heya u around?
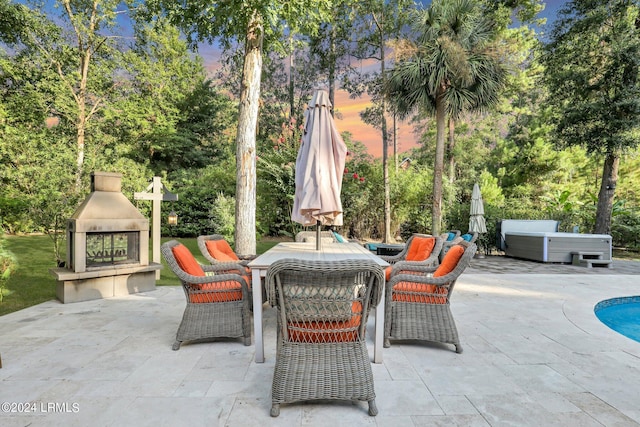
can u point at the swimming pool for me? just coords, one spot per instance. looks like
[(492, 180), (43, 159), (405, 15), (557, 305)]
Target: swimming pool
[(621, 314)]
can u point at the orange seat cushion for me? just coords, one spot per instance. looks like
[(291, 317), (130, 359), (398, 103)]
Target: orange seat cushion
[(419, 292), (421, 248), (186, 260), (220, 250), (229, 290), (450, 261), (318, 331)]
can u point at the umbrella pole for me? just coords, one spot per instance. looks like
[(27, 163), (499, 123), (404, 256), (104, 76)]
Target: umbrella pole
[(318, 235)]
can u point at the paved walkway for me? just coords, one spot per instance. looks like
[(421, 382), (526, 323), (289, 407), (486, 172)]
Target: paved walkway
[(499, 264), (534, 355)]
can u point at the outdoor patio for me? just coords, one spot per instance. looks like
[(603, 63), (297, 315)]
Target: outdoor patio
[(534, 355)]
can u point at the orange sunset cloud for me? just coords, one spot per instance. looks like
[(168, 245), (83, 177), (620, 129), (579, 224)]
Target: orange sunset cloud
[(349, 110)]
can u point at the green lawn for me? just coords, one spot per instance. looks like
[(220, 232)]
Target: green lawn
[(32, 283)]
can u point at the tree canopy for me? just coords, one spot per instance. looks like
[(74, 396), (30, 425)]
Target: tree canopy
[(451, 67), (593, 74), (225, 139)]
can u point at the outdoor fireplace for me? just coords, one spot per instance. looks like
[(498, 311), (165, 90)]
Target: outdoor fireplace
[(112, 248), (107, 246)]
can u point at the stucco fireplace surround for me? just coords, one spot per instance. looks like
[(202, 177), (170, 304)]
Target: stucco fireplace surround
[(107, 246)]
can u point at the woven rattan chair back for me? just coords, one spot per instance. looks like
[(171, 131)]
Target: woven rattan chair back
[(204, 250), (402, 256), (322, 310)]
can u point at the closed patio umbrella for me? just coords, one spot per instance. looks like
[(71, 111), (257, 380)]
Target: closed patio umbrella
[(476, 218), (319, 168)]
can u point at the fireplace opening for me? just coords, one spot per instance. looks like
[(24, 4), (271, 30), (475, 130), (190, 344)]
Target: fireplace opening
[(112, 248)]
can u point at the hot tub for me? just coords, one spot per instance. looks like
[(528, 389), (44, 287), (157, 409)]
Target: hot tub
[(555, 246)]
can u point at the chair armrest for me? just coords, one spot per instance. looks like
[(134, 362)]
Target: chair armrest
[(414, 278), (225, 268), (416, 266), (378, 289), (188, 279)]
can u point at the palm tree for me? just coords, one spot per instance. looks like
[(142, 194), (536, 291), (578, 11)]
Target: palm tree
[(452, 67)]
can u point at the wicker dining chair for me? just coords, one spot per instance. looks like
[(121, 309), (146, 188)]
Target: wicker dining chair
[(218, 305), (449, 239), (216, 249), (450, 235), (470, 237), (322, 310), (417, 303), (420, 250)]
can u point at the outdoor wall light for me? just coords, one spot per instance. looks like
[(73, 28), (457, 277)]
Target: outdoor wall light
[(172, 219)]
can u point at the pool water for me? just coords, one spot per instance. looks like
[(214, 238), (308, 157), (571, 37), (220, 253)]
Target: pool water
[(621, 314)]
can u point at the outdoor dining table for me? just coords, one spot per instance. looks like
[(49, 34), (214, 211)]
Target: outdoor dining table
[(308, 251)]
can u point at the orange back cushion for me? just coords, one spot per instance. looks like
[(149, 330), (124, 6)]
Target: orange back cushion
[(450, 261), (186, 261), (220, 250), (421, 248)]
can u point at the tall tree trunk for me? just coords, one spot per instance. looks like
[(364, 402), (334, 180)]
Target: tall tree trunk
[(80, 137), (438, 166), (385, 144), (332, 68), (607, 191), (395, 141), (85, 49), (245, 233), (292, 70), (452, 144), (81, 121)]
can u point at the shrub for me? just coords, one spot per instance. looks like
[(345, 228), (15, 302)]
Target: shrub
[(8, 265), (625, 231), (223, 217)]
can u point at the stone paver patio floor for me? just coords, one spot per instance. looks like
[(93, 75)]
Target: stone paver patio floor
[(534, 355)]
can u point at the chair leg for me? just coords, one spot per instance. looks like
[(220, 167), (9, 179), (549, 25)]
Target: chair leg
[(386, 343), (247, 341), (373, 409), (458, 348), (275, 410), (176, 345)]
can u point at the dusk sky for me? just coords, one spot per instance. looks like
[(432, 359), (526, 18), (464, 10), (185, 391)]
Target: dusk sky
[(351, 108), (372, 139)]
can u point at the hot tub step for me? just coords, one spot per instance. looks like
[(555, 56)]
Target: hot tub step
[(589, 259), (589, 263)]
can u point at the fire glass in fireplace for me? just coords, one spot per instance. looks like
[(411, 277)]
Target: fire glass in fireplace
[(105, 249)]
